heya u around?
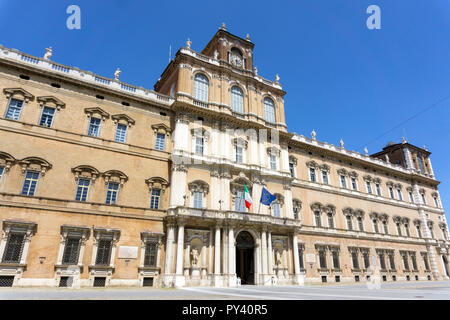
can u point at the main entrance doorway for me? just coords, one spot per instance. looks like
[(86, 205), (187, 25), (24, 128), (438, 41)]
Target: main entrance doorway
[(245, 266)]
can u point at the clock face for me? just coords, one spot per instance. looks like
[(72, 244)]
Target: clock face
[(236, 60)]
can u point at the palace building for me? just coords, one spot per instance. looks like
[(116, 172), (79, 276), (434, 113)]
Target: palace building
[(103, 183)]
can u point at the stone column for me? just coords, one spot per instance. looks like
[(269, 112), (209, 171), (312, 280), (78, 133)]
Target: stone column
[(210, 264), (430, 167), (216, 193), (225, 189), (169, 254), (289, 210), (258, 260), (231, 257), (296, 258), (180, 279), (224, 251), (217, 251), (178, 185), (264, 250), (408, 158), (269, 253), (284, 157)]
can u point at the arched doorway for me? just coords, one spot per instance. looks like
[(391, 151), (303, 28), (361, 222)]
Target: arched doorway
[(245, 264)]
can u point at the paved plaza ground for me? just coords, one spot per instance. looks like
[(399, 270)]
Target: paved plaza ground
[(436, 290)]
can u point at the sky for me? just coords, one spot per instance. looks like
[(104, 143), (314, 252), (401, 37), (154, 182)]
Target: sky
[(342, 79)]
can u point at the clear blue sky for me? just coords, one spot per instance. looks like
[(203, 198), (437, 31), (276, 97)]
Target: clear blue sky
[(342, 79)]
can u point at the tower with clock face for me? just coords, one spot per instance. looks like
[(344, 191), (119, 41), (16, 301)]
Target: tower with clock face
[(238, 52)]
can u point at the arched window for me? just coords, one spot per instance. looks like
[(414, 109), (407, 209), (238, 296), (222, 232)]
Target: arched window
[(201, 87), (269, 110), (237, 99)]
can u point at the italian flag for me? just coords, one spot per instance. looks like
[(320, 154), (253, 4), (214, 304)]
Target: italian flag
[(247, 198)]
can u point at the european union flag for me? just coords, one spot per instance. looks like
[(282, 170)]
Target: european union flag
[(266, 197)]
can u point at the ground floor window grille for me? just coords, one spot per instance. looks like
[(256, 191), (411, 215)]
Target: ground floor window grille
[(6, 281), (103, 252), (337, 278), (65, 282), (356, 278), (324, 278), (14, 246), (99, 281), (384, 278), (148, 282)]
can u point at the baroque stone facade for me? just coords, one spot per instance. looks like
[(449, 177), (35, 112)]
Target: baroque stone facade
[(103, 183)]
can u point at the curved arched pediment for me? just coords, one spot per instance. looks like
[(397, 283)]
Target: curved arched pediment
[(115, 176), (240, 180), (198, 186), (157, 183), (35, 164), (6, 160), (85, 171)]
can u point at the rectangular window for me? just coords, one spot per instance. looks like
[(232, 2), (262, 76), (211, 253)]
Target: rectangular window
[(317, 218), (14, 109), (436, 203), (419, 233), (354, 185), (399, 229), (399, 193), (385, 227), (198, 200), (13, 249), (111, 194), (103, 252), (330, 220), (199, 145), (411, 199), (300, 257), (421, 164), (366, 259), (425, 261), (121, 133), (276, 209), (82, 189), (405, 261), (391, 261), (407, 230), (322, 259), (94, 127), (155, 198), (273, 162), (375, 225), (29, 185), (414, 262), (71, 251), (423, 198), (369, 187), (349, 222), (382, 261), (343, 182), (355, 260), (377, 186), (360, 224), (312, 174), (391, 192), (150, 254), (291, 169), (325, 177), (336, 264), (160, 141), (47, 117), (239, 157), (1, 172)]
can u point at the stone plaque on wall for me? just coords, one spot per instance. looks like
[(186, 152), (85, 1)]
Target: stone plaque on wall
[(128, 252), (310, 258)]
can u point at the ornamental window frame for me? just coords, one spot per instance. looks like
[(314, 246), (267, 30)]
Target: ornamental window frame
[(277, 203), (293, 166), (398, 187), (313, 166), (95, 113), (114, 177), (335, 257), (348, 214), (325, 173), (201, 87), (198, 188), (161, 129), (156, 239), (343, 178), (237, 99), (354, 257), (84, 172), (156, 183), (377, 182), (418, 225), (330, 212), (28, 230), (242, 144), (437, 201), (273, 158), (50, 102), (375, 217), (269, 109), (359, 215), (353, 180), (68, 231), (316, 209), (33, 165), (204, 135), (104, 234), (18, 94), (296, 208)]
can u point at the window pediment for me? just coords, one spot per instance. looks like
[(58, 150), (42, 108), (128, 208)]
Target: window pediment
[(200, 133), (239, 142), (273, 151), (279, 198), (157, 183), (316, 206), (374, 215), (297, 204), (368, 178), (329, 208), (115, 176), (384, 217), (397, 218), (96, 112), (312, 164), (51, 101), (325, 167), (239, 181), (342, 172), (123, 119), (390, 184), (18, 93), (358, 213), (35, 164), (161, 128), (83, 232), (293, 160), (353, 174), (377, 180), (417, 222), (6, 160), (29, 228), (198, 186), (347, 211), (86, 172)]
